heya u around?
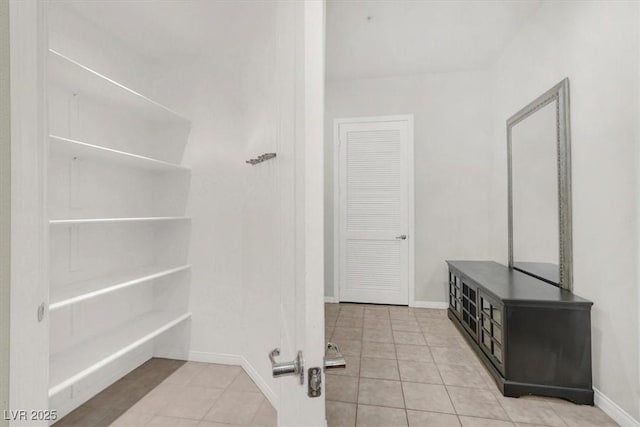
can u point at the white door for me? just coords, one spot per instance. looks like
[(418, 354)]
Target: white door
[(300, 183), (375, 208)]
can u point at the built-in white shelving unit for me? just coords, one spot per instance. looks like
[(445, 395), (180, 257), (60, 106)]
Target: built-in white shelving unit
[(80, 221), (82, 79), (83, 149), (81, 291), (79, 362), (117, 189)]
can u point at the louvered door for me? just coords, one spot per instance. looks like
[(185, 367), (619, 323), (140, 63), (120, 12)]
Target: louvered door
[(374, 211)]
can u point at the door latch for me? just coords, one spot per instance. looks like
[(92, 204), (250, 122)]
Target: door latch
[(282, 369), (315, 382), (335, 361)]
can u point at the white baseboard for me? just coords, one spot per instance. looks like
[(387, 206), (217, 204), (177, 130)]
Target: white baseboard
[(431, 304), (261, 383), (219, 358), (612, 409), (236, 360), (418, 304)]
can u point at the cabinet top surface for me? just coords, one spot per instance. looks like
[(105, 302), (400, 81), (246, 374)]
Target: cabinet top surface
[(512, 285)]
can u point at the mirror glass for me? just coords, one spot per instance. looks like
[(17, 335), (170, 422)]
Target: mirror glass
[(534, 174)]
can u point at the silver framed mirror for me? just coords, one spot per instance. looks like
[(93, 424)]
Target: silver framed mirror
[(539, 169)]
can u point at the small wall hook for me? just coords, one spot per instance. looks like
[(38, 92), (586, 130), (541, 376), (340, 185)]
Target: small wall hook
[(261, 158)]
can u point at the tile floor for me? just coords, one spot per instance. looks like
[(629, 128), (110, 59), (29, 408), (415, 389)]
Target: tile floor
[(405, 367), (411, 367), (170, 393)]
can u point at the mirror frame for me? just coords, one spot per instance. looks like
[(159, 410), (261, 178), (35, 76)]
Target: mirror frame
[(559, 93)]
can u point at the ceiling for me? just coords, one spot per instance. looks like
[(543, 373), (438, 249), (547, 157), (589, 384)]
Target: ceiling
[(365, 38), (368, 39)]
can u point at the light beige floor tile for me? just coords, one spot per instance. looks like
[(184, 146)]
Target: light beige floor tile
[(380, 393), (431, 419), (581, 415), (349, 322), (216, 376), (185, 373), (266, 416), (132, 418), (328, 331), (214, 424), (377, 323), (483, 422), (438, 326), (419, 353), (407, 322), (159, 421), (378, 350), (157, 399), (235, 407), (356, 312), (376, 416), (427, 397), (531, 411), (413, 338), (386, 369), (341, 414), (454, 356), (243, 383), (342, 389), (488, 378), (404, 325), (462, 375), (349, 347), (527, 425), (419, 372), (401, 313), (331, 308), (330, 320), (444, 340), (354, 316), (190, 402), (476, 402), (429, 313), (352, 369), (340, 333), (376, 309), (377, 335)]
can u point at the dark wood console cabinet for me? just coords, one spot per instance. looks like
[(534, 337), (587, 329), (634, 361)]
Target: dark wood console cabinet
[(533, 337)]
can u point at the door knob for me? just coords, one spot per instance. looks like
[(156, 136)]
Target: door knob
[(402, 237), (335, 361), (281, 369)]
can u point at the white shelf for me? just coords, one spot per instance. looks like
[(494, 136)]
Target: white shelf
[(74, 364), (80, 149), (84, 80), (115, 220), (82, 291)]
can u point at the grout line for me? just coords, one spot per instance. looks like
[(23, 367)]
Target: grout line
[(404, 400), (360, 368)]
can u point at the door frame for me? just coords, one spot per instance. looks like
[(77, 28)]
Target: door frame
[(411, 193)]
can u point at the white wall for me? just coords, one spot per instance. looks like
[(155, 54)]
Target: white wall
[(452, 114), (233, 103), (595, 44), (5, 208)]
